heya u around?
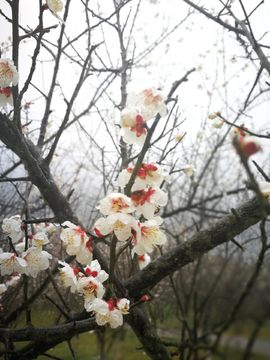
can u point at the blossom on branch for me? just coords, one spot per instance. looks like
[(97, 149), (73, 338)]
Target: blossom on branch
[(106, 313), (264, 187), (36, 261), (6, 96), (150, 101), (13, 227), (137, 133), (39, 239), (8, 73), (55, 6), (68, 274), (115, 202), (189, 168), (91, 289), (10, 263), (144, 260)]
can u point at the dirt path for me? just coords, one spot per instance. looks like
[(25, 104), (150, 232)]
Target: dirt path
[(261, 347)]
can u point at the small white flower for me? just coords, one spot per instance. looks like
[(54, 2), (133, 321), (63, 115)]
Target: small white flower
[(13, 227), (128, 117), (68, 274), (106, 312), (8, 73), (123, 305), (55, 6), (47, 228), (20, 247), (3, 288), (6, 96), (95, 267), (91, 289), (116, 202), (150, 101), (13, 280), (144, 260), (36, 261), (190, 168), (10, 264), (40, 239)]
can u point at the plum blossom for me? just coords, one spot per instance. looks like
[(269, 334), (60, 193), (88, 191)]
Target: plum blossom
[(116, 202), (121, 224), (20, 247), (106, 312), (13, 227), (6, 96), (217, 123), (39, 239), (249, 145), (123, 305), (150, 101), (137, 133), (95, 267), (147, 200), (91, 289), (48, 228), (189, 168), (78, 243), (55, 6), (148, 174), (149, 235), (36, 261), (68, 274), (128, 117), (13, 280), (144, 260), (3, 288), (10, 263), (8, 73), (264, 187)]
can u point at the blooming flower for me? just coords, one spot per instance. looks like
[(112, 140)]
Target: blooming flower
[(190, 168), (147, 200), (55, 6), (40, 239), (36, 260), (106, 312), (13, 227), (48, 228), (95, 267), (137, 133), (6, 96), (13, 280), (249, 145), (78, 243), (116, 202), (264, 187), (144, 260), (148, 174), (149, 235), (68, 274), (10, 263), (121, 224), (123, 305), (150, 101), (128, 116), (8, 73), (20, 247), (91, 289)]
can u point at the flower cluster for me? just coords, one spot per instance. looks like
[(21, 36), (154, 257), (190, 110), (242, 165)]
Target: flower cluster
[(8, 75), (146, 198), (141, 107), (25, 261)]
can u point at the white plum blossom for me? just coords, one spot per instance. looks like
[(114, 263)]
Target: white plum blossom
[(6, 96), (95, 267), (48, 228), (78, 243), (123, 305), (150, 101), (20, 247), (144, 260), (91, 289), (148, 236), (13, 227), (68, 274), (121, 224), (148, 174), (128, 117), (136, 134), (147, 200), (13, 280), (36, 261), (264, 187), (189, 168), (116, 202), (8, 73), (39, 239), (10, 263), (106, 313), (3, 288), (55, 6)]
